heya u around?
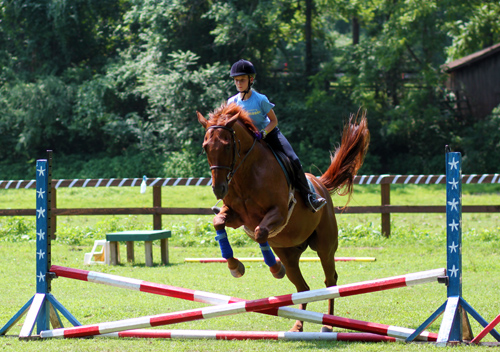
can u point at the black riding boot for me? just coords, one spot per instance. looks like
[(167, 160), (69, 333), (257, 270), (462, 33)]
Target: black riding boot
[(313, 201)]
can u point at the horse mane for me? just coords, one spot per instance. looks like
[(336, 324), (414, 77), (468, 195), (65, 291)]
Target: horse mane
[(223, 114)]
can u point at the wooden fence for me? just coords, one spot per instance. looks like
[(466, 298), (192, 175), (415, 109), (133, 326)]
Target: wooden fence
[(385, 208)]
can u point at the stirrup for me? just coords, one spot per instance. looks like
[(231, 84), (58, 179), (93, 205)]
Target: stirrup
[(315, 203)]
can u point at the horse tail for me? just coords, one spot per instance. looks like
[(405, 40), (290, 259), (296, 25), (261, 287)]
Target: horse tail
[(348, 157)]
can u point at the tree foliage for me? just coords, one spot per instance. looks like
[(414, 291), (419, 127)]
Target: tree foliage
[(113, 86)]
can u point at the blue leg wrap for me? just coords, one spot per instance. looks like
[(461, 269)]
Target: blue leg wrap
[(268, 254), (225, 247)]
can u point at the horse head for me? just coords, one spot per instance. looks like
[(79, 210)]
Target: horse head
[(221, 149)]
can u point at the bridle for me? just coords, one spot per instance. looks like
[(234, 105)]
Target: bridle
[(236, 152)]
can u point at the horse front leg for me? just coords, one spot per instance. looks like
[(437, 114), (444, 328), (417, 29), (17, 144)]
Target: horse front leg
[(276, 267), (271, 220), (236, 267)]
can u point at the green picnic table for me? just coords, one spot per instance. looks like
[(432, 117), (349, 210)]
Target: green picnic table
[(129, 237)]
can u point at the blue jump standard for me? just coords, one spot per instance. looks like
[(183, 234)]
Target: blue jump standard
[(455, 326), (42, 308)]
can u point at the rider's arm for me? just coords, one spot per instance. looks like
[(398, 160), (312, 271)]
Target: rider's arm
[(273, 123)]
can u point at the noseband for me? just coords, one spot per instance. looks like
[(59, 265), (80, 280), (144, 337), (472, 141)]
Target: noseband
[(236, 151)]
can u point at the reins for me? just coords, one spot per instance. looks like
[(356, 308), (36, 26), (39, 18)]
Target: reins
[(236, 151)]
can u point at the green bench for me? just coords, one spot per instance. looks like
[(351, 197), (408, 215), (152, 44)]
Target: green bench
[(148, 236)]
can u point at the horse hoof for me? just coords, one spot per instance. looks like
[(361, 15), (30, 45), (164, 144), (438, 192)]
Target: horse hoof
[(278, 270), (239, 271), (297, 327), (325, 328)]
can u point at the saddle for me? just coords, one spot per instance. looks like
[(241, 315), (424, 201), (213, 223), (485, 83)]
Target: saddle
[(286, 166)]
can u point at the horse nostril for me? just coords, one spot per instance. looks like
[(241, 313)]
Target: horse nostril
[(220, 190)]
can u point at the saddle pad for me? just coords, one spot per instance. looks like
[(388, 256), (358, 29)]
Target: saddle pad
[(285, 164)]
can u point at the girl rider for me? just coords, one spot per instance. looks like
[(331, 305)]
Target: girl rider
[(261, 111)]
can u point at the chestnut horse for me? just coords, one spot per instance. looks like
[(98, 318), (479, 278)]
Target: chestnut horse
[(248, 178)]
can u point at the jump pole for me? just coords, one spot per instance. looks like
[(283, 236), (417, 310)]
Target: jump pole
[(217, 299), (304, 259), (252, 335), (486, 330), (455, 326), (42, 308), (248, 306)]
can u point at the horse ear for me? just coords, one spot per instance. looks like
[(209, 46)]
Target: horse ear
[(232, 120), (202, 120)]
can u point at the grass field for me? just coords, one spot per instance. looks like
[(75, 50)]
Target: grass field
[(417, 243)]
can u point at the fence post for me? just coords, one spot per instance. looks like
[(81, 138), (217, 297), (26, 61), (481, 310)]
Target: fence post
[(157, 223), (385, 191), (157, 204)]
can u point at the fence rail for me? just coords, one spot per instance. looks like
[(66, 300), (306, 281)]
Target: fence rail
[(385, 208)]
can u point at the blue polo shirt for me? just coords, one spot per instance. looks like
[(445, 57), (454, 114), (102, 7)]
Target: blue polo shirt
[(257, 107)]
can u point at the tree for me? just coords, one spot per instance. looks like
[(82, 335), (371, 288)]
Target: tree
[(102, 77), (477, 30), (41, 37)]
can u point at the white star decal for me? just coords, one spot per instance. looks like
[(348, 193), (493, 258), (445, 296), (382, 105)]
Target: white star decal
[(454, 184), (40, 277), (454, 225), (453, 271), (453, 247), (454, 205), (40, 193), (41, 171), (41, 212), (41, 235), (453, 164), (40, 254)]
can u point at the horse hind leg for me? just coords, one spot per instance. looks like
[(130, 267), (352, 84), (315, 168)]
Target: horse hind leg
[(331, 277), (327, 258), (290, 258), (331, 309)]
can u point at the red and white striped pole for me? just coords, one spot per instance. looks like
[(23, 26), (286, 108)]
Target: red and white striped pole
[(256, 259), (252, 335), (248, 306), (143, 286), (216, 299), (486, 330)]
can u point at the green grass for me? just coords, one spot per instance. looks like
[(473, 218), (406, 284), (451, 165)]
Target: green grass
[(417, 243), (92, 303)]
